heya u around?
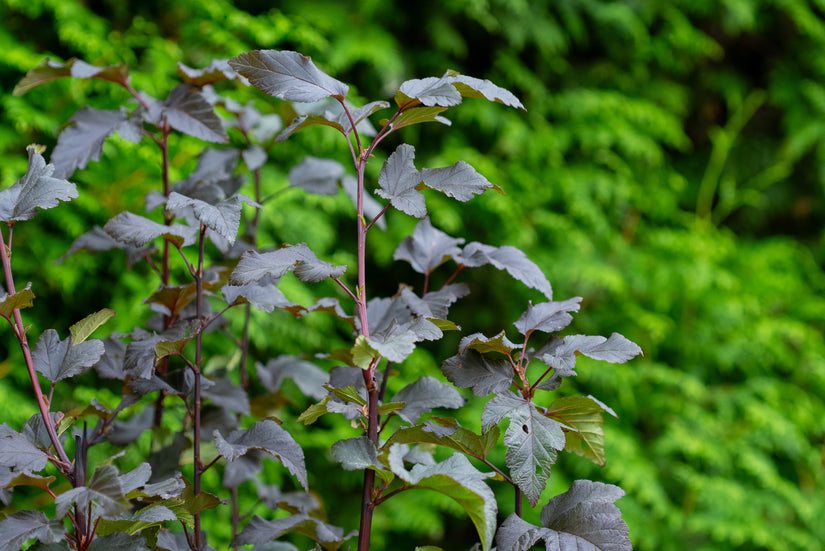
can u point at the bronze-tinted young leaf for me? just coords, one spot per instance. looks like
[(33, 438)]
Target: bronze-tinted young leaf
[(418, 115), (81, 330), (456, 478), (471, 87), (507, 258), (427, 248), (425, 394), (313, 412), (254, 266), (460, 439), (188, 111), (37, 189), (474, 370), (398, 182), (217, 71), (532, 441), (318, 176), (287, 75), (224, 218), (430, 91), (583, 413), (547, 317), (304, 121), (267, 436), (308, 377), (104, 492), (19, 300), (138, 231), (19, 527), (82, 139), (49, 70), (19, 453), (56, 359), (500, 343)]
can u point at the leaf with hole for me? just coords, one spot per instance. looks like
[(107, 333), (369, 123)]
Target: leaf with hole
[(532, 441)]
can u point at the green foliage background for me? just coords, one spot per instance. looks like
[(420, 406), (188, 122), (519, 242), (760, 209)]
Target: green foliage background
[(670, 169)]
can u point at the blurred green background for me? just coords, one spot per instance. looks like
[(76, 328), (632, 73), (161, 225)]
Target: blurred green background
[(670, 169)]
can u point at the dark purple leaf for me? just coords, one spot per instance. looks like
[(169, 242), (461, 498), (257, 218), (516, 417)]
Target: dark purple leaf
[(398, 181), (263, 295), (560, 353), (121, 541), (35, 429), (37, 189), (227, 395), (356, 454), (318, 176), (330, 306), (287, 75), (49, 70), (430, 91), (224, 218), (532, 441), (425, 394), (82, 139), (267, 436), (460, 181), (507, 258), (435, 304), (19, 453), (21, 526), (188, 111), (427, 248), (104, 491), (547, 317), (585, 517), (217, 71), (263, 531), (254, 157), (456, 478), (296, 502), (57, 360), (136, 230), (254, 266), (473, 370), (213, 180), (309, 378)]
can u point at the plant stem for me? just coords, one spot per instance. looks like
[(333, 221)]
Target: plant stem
[(198, 467), (20, 333)]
